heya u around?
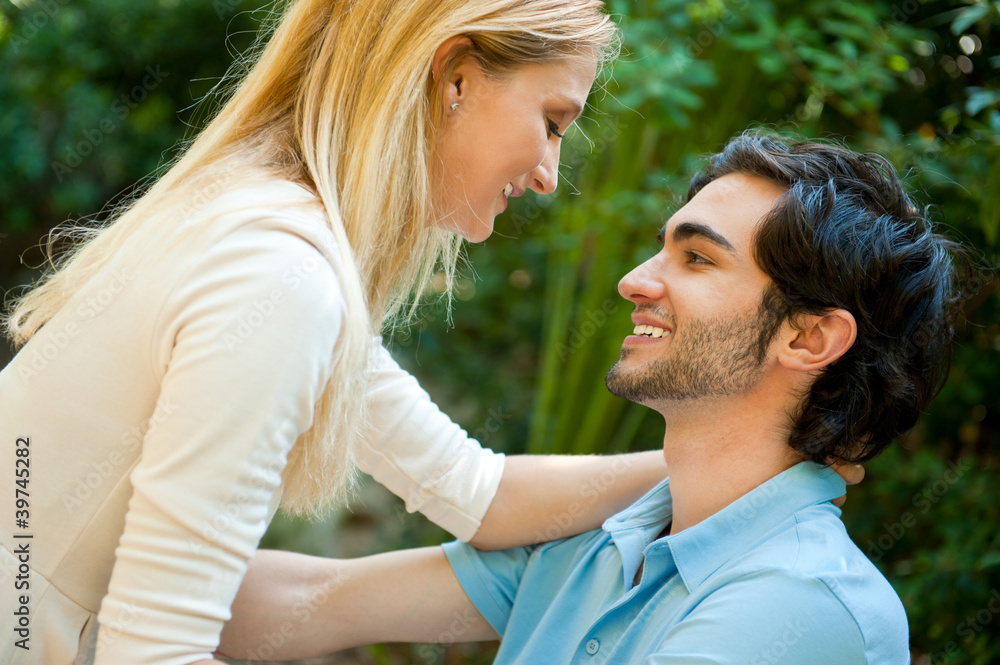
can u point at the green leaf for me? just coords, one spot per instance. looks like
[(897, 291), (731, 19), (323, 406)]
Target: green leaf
[(988, 560), (967, 17), (979, 99)]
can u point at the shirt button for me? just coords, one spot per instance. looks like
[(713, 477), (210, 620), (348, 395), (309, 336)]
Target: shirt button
[(593, 646)]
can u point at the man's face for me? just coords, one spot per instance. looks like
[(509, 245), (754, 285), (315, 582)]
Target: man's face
[(700, 298)]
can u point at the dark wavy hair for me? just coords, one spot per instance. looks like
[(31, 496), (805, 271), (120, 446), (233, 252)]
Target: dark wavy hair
[(847, 235)]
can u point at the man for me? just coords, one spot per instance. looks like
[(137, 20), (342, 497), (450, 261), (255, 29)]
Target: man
[(800, 311)]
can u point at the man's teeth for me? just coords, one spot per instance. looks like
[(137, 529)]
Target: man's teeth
[(508, 190), (652, 331)]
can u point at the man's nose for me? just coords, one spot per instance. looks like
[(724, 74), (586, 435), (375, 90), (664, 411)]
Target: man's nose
[(644, 282)]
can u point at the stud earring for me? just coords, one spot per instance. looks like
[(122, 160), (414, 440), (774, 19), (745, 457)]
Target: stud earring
[(454, 107)]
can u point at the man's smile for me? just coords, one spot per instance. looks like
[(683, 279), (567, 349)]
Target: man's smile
[(651, 331), (648, 329)]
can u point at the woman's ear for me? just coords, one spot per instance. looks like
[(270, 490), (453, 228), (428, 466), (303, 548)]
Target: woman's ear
[(818, 340), (443, 64)]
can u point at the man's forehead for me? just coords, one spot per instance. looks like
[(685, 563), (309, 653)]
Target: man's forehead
[(730, 206)]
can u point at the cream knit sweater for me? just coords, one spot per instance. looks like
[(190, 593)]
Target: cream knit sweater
[(157, 409)]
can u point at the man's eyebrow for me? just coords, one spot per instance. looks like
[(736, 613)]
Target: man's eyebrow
[(685, 230)]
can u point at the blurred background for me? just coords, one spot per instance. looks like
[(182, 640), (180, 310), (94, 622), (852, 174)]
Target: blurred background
[(94, 95)]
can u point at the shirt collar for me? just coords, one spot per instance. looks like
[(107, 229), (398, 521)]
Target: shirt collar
[(700, 550), (638, 525)]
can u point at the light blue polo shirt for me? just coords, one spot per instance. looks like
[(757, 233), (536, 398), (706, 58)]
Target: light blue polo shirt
[(772, 578)]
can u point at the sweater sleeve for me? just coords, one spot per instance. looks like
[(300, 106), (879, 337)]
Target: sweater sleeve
[(422, 456), (251, 352)]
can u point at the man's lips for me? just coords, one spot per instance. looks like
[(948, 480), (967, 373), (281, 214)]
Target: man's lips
[(651, 331), (650, 324), (648, 329)]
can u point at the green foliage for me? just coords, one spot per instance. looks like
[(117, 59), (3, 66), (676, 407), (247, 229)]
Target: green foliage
[(692, 75), (539, 321), (933, 533), (95, 95)]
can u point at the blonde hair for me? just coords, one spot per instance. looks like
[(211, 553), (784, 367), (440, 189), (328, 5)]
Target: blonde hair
[(339, 100)]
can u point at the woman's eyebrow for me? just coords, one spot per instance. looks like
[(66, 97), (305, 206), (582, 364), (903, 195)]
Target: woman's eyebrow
[(574, 106)]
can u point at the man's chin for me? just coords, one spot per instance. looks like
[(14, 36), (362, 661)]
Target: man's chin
[(620, 384)]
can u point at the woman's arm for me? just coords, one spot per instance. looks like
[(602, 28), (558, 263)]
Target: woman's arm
[(547, 497), (480, 496), (296, 606)]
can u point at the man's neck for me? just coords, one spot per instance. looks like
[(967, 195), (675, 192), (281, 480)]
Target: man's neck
[(719, 450)]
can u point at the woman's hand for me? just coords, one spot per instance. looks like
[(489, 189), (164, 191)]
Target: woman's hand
[(852, 475)]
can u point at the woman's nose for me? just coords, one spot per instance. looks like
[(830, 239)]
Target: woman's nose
[(545, 176)]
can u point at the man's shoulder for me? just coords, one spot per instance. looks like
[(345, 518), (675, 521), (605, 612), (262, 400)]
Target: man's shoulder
[(812, 554)]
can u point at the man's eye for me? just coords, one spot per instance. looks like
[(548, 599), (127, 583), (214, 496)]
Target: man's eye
[(554, 128), (697, 259)]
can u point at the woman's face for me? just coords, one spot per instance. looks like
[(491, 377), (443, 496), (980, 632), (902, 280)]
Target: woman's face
[(503, 138)]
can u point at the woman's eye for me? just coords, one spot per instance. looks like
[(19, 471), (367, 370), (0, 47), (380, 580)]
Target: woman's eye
[(697, 259), (554, 128)]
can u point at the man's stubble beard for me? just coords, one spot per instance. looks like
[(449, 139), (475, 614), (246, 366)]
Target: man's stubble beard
[(709, 358)]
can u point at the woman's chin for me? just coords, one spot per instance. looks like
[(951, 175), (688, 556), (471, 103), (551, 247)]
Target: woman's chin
[(473, 230), (471, 227), (480, 234)]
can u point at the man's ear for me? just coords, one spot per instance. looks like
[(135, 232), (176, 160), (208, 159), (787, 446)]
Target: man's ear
[(444, 64), (818, 340)]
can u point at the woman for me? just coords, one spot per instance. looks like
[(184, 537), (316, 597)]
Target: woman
[(208, 353)]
